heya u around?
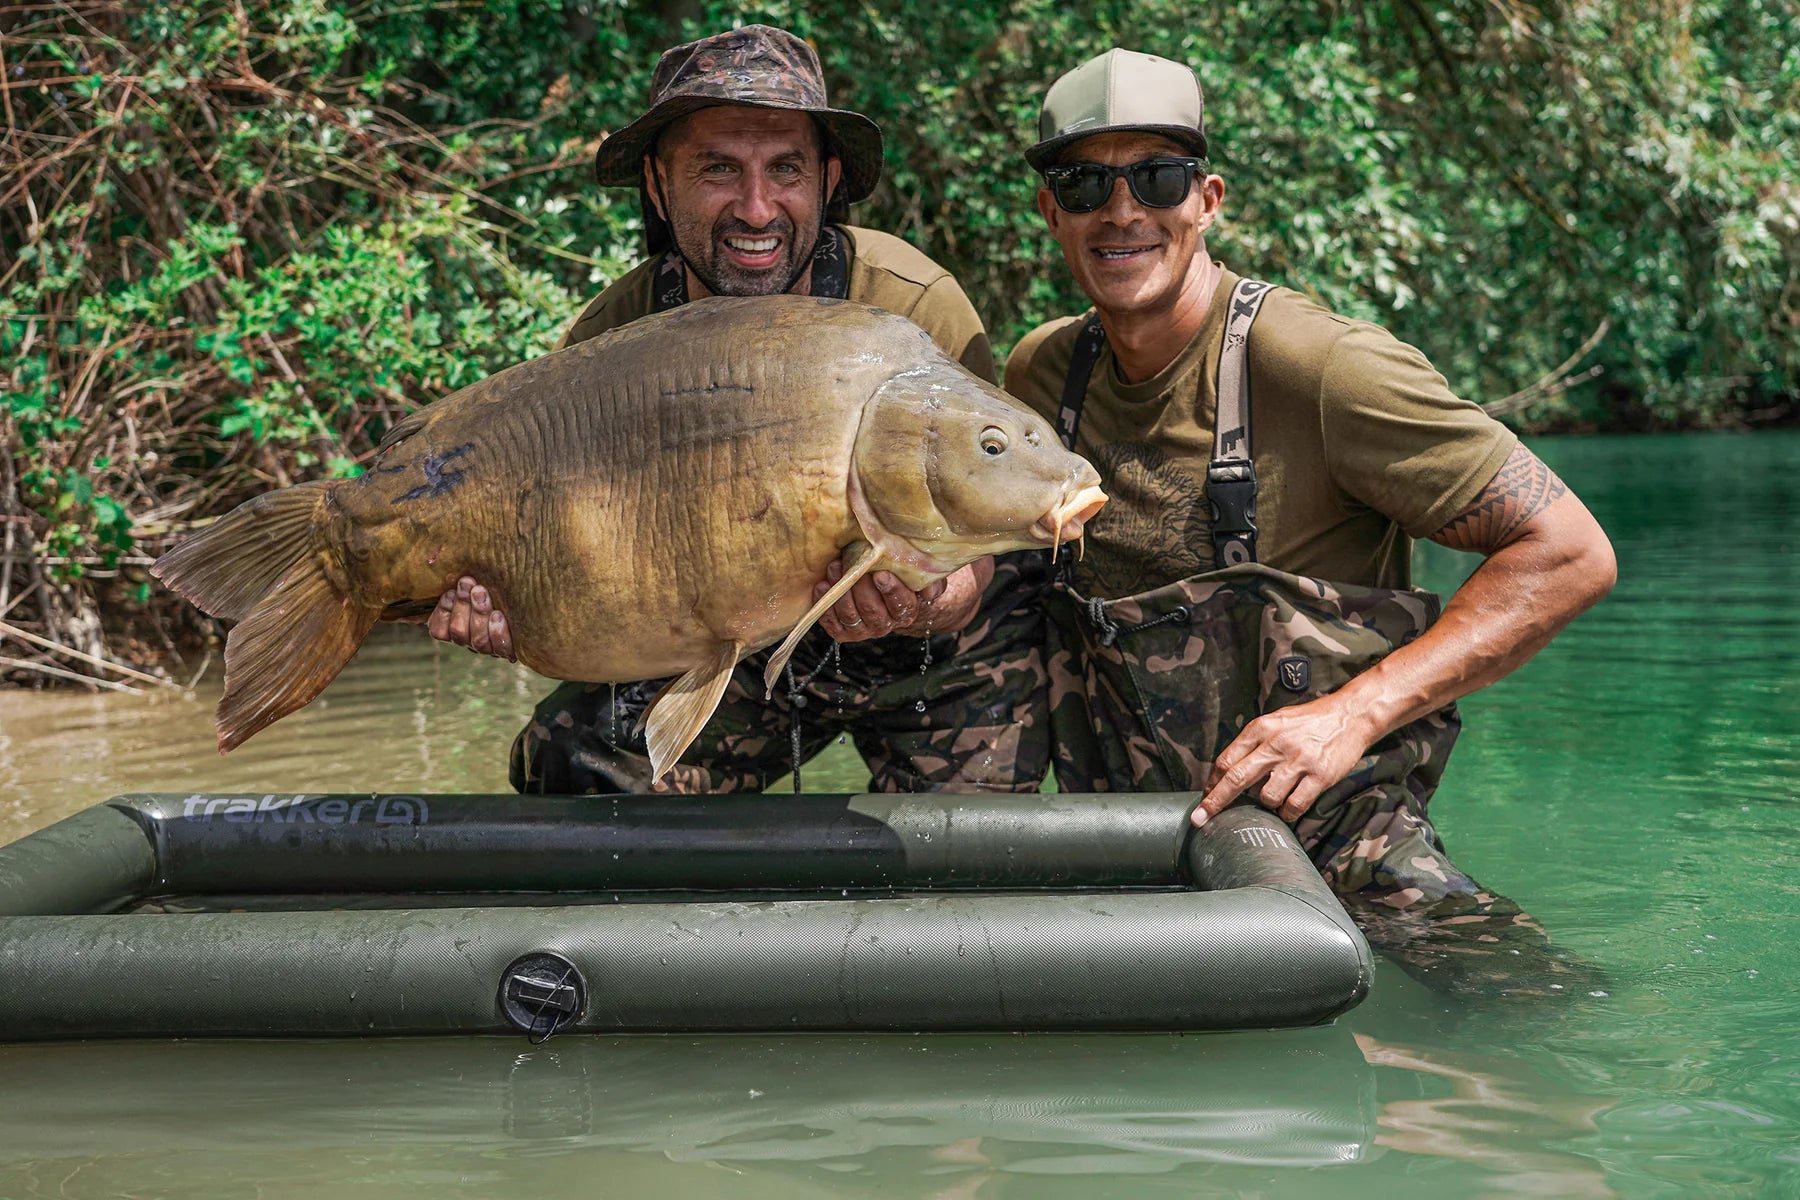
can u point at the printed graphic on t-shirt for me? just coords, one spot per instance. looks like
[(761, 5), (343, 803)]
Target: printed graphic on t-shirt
[(1154, 528)]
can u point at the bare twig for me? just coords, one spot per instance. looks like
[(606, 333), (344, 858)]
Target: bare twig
[(13, 631), (20, 664), (1556, 382)]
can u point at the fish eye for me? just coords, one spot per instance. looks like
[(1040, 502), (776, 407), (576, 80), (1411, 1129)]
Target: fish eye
[(993, 440)]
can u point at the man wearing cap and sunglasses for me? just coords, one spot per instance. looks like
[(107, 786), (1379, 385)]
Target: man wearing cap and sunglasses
[(1243, 622), (746, 175)]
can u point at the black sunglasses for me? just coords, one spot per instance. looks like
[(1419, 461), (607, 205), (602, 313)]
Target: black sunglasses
[(1160, 182)]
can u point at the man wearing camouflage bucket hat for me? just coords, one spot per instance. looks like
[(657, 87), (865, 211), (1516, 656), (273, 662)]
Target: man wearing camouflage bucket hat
[(746, 173), (1243, 622)]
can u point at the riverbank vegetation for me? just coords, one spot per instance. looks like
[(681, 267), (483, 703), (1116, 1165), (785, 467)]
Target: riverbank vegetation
[(238, 240)]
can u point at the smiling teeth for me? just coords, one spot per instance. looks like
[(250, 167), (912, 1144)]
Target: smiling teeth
[(753, 245), (1118, 253)]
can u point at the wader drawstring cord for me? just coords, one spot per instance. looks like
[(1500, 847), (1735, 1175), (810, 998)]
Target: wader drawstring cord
[(797, 702), (1111, 631)]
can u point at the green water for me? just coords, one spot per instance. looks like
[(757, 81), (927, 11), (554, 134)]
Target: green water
[(1634, 787)]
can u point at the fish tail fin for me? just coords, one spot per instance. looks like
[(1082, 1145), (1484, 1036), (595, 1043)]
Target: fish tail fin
[(261, 565), (293, 643), (682, 709), (226, 568)]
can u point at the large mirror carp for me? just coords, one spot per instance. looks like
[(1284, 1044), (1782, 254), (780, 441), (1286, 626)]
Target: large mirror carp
[(657, 501)]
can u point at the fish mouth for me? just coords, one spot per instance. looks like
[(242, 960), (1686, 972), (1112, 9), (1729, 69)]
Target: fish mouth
[(1066, 521)]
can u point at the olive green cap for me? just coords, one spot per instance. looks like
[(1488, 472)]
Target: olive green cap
[(1120, 90)]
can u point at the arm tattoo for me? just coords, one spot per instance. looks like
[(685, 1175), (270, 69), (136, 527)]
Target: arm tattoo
[(1523, 488)]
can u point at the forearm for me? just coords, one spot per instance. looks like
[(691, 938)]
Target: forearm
[(1520, 597), (1545, 561)]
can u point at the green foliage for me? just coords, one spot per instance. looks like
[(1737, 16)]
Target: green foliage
[(237, 242), (1494, 182)]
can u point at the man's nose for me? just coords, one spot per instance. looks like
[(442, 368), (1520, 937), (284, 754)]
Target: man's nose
[(756, 205), (1121, 208)]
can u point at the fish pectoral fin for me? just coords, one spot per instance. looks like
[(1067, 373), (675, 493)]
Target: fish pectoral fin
[(682, 709), (859, 559)]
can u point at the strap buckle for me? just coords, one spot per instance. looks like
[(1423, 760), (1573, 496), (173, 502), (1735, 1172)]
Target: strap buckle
[(1231, 495)]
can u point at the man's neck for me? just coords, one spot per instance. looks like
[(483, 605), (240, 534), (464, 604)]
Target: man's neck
[(1144, 343)]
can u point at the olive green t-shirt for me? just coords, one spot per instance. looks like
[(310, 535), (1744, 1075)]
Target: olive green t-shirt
[(1359, 446), (884, 272)]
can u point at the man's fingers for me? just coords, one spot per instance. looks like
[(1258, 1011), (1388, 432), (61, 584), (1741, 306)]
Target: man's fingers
[(460, 615), (846, 612), (1300, 800), (439, 624), (500, 637), (465, 616), (1280, 782), (1239, 776), (901, 604)]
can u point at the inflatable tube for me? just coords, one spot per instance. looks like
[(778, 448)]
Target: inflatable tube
[(488, 914)]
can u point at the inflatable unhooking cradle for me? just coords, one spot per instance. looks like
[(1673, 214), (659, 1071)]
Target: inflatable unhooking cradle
[(178, 916)]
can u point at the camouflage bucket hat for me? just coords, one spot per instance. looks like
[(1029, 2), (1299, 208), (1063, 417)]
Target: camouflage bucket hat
[(756, 66)]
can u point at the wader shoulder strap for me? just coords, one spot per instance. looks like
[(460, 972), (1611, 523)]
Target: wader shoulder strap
[(1088, 344), (1231, 475), (830, 272)]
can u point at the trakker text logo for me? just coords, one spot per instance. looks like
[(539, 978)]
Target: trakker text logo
[(298, 810)]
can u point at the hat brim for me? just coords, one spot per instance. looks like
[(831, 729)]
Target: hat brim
[(619, 162), (1044, 153)]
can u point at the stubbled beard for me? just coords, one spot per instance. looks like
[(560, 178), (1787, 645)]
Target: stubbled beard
[(706, 258)]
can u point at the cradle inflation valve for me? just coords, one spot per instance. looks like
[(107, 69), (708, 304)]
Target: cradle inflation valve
[(542, 993)]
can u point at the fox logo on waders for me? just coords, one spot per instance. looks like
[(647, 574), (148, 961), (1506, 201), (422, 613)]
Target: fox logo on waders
[(1295, 673)]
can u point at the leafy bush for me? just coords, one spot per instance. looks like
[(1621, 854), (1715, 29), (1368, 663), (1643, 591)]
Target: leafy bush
[(238, 241)]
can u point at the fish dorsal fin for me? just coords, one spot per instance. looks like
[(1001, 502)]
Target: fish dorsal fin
[(408, 426), (859, 559), (682, 709)]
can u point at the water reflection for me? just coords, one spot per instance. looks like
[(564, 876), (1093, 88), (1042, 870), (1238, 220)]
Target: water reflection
[(1633, 788), (1149, 1104)]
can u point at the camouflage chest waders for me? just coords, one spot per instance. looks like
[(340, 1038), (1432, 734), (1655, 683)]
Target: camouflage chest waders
[(1148, 689)]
